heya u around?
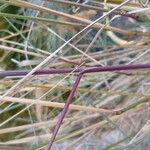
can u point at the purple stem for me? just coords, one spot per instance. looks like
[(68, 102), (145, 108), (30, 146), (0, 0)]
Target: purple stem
[(126, 15), (39, 72), (94, 69), (81, 71), (77, 81), (116, 68), (65, 109)]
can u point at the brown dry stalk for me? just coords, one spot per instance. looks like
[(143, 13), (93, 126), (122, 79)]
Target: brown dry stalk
[(56, 105)]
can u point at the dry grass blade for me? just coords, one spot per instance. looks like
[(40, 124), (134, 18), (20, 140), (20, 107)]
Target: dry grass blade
[(57, 105)]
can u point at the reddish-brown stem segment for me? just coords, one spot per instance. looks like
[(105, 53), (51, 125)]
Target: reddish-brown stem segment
[(94, 69), (74, 88), (80, 72), (63, 113)]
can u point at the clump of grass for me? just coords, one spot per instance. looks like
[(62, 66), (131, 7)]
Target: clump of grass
[(48, 46)]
